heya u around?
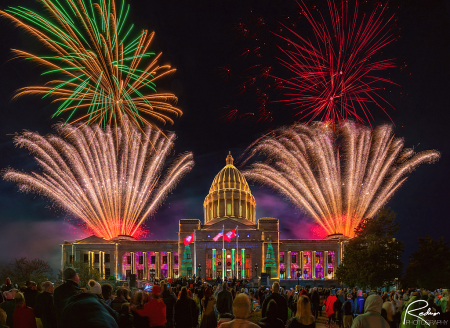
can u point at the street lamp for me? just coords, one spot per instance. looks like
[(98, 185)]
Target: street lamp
[(298, 275), (199, 268), (256, 270)]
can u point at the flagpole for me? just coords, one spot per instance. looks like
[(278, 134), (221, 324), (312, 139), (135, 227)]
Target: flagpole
[(195, 254), (237, 249), (223, 248)]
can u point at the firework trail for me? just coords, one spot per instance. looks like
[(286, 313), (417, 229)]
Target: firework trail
[(334, 74), (338, 174), (103, 74), (111, 179)]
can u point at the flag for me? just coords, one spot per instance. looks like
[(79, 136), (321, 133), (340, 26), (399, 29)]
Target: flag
[(220, 234), (229, 235), (189, 239)]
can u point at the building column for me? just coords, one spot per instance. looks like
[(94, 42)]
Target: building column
[(157, 265), (313, 264), (325, 264), (288, 264), (224, 258), (301, 263), (133, 259), (213, 264), (233, 262), (169, 265), (243, 263)]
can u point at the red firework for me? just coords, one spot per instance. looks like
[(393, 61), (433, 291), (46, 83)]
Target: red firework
[(335, 73)]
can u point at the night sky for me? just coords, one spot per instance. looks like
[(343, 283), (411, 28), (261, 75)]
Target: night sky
[(196, 37)]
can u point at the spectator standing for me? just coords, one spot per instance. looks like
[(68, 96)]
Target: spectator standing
[(241, 311), (169, 299), (107, 290), (224, 301), (23, 315), (8, 306), (44, 308), (348, 309), (359, 305), (185, 317), (7, 286), (329, 308), (125, 318), (271, 319), (155, 309), (116, 304), (372, 314), (304, 317), (315, 300), (280, 300), (30, 293), (62, 293), (209, 317)]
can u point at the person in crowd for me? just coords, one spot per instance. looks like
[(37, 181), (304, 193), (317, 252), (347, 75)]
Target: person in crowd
[(280, 300), (169, 299), (359, 305), (315, 301), (329, 308), (209, 317), (23, 315), (139, 316), (8, 306), (155, 309), (64, 292), (185, 316), (107, 290), (347, 310), (44, 308), (372, 314), (338, 308), (304, 317), (3, 317), (271, 319), (88, 310), (125, 318), (120, 299), (224, 301), (241, 311), (387, 312), (7, 286), (30, 293)]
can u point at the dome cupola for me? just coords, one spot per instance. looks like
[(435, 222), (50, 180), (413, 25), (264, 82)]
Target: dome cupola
[(229, 196)]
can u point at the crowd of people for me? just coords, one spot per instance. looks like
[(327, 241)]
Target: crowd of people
[(188, 303)]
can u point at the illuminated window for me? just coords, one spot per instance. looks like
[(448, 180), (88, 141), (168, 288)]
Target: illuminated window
[(107, 258), (228, 209), (141, 260)]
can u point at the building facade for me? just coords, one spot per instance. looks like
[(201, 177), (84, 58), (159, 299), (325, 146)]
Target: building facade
[(257, 247)]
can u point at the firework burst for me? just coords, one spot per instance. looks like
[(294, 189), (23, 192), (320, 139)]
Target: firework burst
[(103, 74), (334, 74), (111, 179), (338, 174)]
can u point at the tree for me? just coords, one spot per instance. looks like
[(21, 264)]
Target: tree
[(85, 272), (186, 263), (429, 266), (372, 258), (23, 269), (270, 264)]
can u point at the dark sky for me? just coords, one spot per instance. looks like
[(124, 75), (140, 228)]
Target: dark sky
[(196, 38)]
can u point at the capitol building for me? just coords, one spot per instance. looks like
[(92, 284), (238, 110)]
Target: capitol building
[(257, 248)]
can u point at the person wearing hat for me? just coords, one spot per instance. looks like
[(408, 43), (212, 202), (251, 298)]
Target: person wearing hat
[(155, 309), (65, 291)]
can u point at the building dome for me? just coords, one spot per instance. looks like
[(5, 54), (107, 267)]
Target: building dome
[(229, 196)]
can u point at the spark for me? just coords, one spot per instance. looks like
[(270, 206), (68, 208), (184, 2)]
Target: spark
[(104, 72), (338, 174), (111, 179)]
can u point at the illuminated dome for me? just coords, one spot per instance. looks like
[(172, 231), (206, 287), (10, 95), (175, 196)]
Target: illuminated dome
[(229, 196)]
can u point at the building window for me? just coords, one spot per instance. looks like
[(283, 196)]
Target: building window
[(228, 209), (85, 258), (107, 258), (153, 259), (107, 273), (188, 255), (189, 272), (294, 258), (330, 258), (71, 258), (141, 260), (282, 258), (175, 260), (128, 259), (96, 258), (164, 259)]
